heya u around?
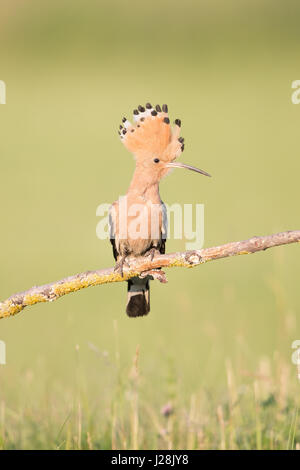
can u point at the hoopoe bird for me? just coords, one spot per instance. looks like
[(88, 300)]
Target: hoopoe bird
[(155, 146)]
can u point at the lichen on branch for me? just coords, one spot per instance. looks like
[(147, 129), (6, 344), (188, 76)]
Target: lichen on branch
[(50, 292)]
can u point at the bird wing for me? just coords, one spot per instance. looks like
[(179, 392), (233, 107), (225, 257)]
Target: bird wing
[(164, 229), (112, 228), (164, 221)]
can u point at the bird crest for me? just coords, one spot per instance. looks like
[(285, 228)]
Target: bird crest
[(151, 135)]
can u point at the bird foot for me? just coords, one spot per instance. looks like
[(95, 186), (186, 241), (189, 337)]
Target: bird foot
[(157, 274), (152, 252), (120, 265)]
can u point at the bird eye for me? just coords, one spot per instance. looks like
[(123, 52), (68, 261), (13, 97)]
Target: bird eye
[(156, 160)]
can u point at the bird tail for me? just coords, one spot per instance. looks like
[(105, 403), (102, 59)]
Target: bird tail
[(138, 302)]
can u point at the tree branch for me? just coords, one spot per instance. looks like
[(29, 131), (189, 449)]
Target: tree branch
[(54, 290)]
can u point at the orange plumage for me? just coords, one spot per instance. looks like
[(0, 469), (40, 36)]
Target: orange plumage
[(152, 135)]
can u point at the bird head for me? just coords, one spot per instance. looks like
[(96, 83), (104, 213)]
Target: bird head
[(155, 144)]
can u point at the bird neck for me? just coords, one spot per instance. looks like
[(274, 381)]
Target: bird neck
[(143, 184)]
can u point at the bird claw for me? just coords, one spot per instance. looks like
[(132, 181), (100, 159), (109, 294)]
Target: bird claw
[(157, 274), (120, 264), (152, 252)]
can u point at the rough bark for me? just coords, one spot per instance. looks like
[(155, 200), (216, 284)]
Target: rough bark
[(54, 290)]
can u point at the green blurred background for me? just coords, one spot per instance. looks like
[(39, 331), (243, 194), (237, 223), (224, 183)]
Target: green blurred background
[(73, 69)]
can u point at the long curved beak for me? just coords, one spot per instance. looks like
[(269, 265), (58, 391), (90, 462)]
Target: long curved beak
[(189, 167)]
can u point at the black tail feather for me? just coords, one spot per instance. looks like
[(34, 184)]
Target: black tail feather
[(138, 303)]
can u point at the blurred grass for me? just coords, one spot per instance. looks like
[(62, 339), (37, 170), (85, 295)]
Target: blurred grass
[(72, 72)]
